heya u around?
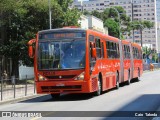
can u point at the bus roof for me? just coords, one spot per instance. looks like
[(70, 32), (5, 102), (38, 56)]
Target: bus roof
[(61, 29), (136, 45), (105, 36), (80, 29), (125, 42)]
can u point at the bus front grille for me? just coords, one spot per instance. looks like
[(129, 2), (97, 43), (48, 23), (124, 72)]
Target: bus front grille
[(59, 77), (58, 88)]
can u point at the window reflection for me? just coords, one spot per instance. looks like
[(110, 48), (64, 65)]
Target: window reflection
[(67, 54)]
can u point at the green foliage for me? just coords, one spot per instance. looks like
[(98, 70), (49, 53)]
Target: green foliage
[(112, 27), (136, 25), (22, 19), (119, 19), (147, 51), (85, 12)]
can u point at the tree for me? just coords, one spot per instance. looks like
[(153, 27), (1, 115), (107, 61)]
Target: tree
[(136, 25), (147, 51), (24, 18), (113, 28), (114, 14)]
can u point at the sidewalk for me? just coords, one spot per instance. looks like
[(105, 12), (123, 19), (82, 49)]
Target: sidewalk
[(15, 100), (11, 94)]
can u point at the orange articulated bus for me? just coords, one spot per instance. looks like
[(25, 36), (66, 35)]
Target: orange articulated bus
[(75, 60)]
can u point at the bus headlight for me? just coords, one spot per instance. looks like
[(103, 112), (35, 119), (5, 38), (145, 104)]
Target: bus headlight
[(40, 78), (80, 77)]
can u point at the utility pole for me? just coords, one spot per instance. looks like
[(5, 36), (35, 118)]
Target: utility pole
[(118, 22), (141, 37), (50, 22), (82, 6), (132, 18)]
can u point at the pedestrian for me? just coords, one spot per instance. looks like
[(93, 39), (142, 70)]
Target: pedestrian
[(151, 67), (5, 76)]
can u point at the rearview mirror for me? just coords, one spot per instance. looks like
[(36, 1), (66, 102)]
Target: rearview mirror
[(94, 53), (31, 46)]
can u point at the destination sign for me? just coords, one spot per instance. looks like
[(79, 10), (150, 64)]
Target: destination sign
[(62, 35)]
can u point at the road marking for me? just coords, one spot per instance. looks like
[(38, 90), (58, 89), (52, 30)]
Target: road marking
[(36, 118)]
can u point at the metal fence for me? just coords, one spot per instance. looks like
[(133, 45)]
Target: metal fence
[(147, 66), (15, 88)]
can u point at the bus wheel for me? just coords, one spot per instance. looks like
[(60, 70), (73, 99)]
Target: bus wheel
[(138, 78), (129, 78), (99, 85), (117, 81), (55, 96)]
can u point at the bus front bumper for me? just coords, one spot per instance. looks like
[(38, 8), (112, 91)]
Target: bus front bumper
[(49, 87)]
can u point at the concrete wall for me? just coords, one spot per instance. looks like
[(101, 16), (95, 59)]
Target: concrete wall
[(83, 22), (95, 24), (23, 71)]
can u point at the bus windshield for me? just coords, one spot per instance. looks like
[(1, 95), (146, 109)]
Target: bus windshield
[(61, 54)]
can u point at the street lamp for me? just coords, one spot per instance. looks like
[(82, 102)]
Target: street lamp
[(82, 6), (50, 23), (118, 22), (132, 18)]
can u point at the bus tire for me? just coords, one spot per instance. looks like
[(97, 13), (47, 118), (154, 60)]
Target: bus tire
[(117, 81), (55, 96), (99, 86), (129, 78), (138, 78)]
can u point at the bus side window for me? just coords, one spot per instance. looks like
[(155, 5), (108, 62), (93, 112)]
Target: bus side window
[(91, 38), (140, 54), (102, 50), (92, 60), (127, 52), (137, 53), (133, 52), (124, 51), (107, 48), (129, 56), (114, 50), (118, 51), (98, 47)]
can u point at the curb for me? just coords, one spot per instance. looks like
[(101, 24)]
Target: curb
[(145, 71), (15, 100)]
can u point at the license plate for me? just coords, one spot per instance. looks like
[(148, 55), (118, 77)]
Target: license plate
[(60, 84)]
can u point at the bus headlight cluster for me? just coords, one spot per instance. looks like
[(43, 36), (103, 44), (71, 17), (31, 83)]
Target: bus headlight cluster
[(80, 77), (40, 77)]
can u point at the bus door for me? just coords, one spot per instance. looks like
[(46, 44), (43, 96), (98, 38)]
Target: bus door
[(121, 72), (132, 63), (127, 61), (110, 69)]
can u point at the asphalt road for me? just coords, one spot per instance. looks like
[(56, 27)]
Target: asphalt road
[(138, 98)]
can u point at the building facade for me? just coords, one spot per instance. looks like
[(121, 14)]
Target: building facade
[(158, 36), (136, 9), (158, 27), (158, 10)]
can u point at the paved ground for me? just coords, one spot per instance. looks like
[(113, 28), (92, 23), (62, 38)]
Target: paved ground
[(21, 92), (138, 97)]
